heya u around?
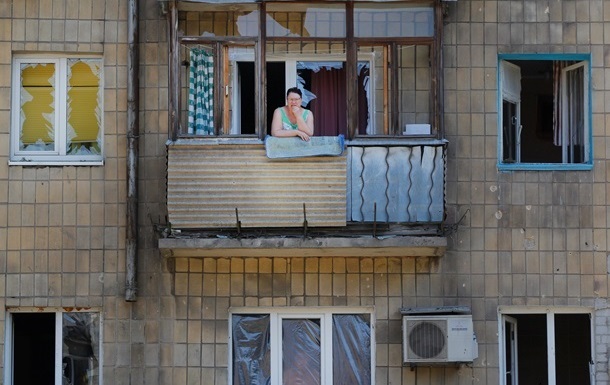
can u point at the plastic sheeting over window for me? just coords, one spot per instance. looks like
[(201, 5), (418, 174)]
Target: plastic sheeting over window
[(301, 352), (259, 355), (251, 349), (81, 345), (351, 349)]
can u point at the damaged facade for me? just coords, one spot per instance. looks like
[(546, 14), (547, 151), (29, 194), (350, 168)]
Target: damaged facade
[(458, 236)]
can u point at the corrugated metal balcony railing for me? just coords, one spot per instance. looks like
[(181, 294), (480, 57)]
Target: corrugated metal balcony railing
[(222, 184)]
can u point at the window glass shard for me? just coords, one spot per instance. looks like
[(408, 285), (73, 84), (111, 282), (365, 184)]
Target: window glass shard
[(84, 107), (37, 100)]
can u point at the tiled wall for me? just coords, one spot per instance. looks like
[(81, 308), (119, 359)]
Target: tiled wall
[(526, 238), (206, 288), (62, 229)]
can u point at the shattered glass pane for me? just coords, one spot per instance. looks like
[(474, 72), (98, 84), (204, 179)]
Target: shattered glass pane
[(83, 107), (37, 100), (393, 20), (306, 20), (80, 361)]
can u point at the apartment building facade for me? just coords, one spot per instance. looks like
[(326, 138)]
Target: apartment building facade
[(451, 227)]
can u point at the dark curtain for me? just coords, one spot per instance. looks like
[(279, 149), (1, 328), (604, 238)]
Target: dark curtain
[(330, 106)]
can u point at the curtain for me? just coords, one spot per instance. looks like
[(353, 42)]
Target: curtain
[(201, 93), (330, 106), (575, 101), (557, 110), (573, 107)]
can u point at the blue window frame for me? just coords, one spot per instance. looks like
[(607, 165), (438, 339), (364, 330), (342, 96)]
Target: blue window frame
[(544, 112)]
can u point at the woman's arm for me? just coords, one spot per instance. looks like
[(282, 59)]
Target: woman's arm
[(305, 125), (276, 123), (278, 130)]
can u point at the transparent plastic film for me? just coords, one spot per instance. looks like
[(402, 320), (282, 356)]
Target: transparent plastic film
[(37, 101), (251, 349), (80, 361), (301, 352), (351, 349), (84, 112)]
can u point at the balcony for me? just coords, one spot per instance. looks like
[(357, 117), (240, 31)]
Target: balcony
[(227, 198)]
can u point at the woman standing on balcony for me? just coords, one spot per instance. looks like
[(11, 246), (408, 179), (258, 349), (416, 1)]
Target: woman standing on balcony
[(292, 119)]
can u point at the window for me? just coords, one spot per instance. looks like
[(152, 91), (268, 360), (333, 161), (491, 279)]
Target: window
[(57, 110), (383, 85), (67, 346), (544, 112), (546, 346), (287, 347)]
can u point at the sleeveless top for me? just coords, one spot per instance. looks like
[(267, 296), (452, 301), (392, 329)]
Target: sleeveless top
[(286, 124)]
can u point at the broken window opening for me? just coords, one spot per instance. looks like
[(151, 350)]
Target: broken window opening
[(286, 348), (67, 346), (552, 348), (57, 109), (394, 89), (544, 111)]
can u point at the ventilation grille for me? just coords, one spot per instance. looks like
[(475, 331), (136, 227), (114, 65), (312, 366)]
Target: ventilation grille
[(427, 340)]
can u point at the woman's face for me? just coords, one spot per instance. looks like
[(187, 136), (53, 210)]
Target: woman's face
[(294, 99)]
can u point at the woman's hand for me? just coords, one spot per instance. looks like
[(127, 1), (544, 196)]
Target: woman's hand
[(302, 135)]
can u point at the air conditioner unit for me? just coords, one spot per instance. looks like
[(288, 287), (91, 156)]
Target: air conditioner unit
[(438, 339)]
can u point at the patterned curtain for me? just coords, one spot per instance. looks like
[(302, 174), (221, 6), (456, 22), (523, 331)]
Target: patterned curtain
[(201, 93)]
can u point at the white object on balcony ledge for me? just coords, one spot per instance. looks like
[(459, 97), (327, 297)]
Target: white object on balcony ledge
[(416, 129), (295, 147)]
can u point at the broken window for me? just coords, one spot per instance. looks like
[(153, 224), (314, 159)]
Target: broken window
[(383, 85), (544, 112), (67, 346), (546, 347), (286, 348), (57, 110)]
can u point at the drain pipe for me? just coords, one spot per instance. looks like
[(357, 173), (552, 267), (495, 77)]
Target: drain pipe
[(133, 136)]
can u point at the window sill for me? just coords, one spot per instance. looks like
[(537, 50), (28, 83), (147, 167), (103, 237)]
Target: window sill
[(545, 167), (371, 141), (56, 163)]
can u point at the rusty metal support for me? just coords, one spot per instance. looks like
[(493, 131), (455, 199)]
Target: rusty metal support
[(304, 221), (174, 71), (375, 220), (237, 222), (133, 137)]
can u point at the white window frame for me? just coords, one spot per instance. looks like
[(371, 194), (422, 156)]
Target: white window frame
[(506, 92), (8, 346), (504, 317), (324, 314), (59, 156), (290, 78)]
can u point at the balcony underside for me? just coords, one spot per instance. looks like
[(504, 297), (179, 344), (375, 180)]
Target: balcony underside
[(363, 246)]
